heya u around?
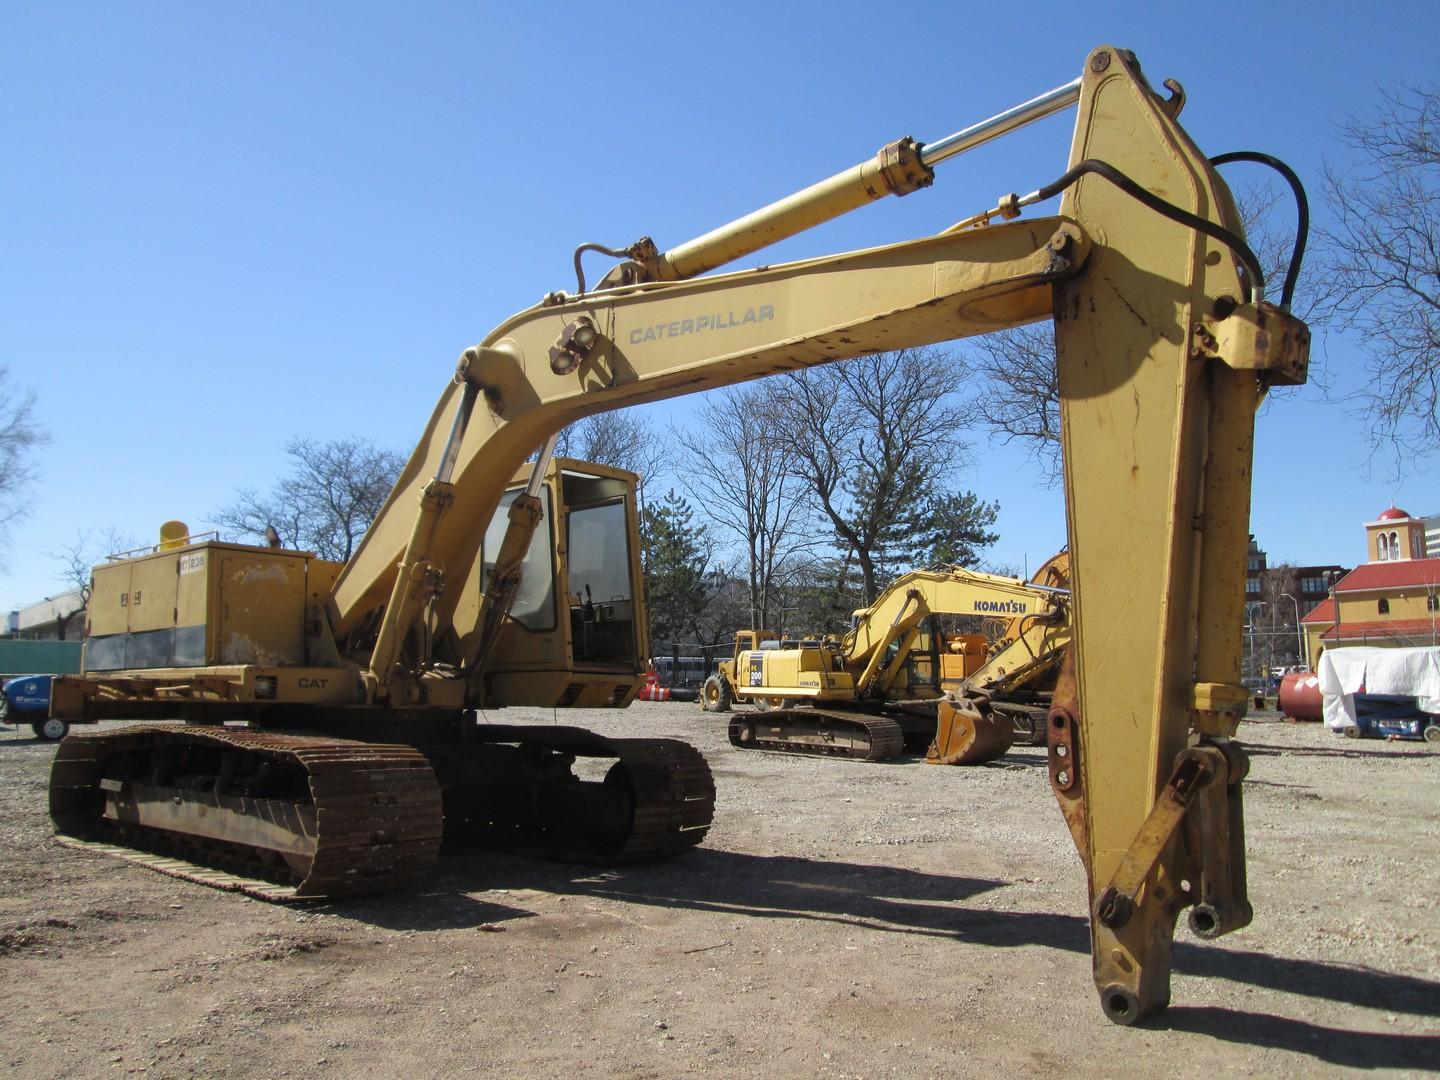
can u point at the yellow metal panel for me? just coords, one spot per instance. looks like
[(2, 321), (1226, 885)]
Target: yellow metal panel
[(109, 611), (262, 601), (152, 593), (193, 587)]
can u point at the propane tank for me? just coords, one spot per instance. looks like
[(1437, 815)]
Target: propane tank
[(1300, 697)]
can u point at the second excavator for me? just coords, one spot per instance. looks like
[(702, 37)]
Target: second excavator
[(896, 681)]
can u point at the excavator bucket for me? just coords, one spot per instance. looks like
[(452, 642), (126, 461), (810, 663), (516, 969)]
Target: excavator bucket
[(966, 736)]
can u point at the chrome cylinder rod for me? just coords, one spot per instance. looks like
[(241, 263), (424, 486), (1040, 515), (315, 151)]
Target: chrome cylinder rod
[(1047, 104), (542, 462)]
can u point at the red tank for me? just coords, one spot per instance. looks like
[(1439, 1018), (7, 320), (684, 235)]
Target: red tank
[(1300, 697)]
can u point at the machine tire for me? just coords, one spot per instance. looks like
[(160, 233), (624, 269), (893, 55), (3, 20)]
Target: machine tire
[(51, 729), (1350, 732), (1432, 733), (715, 694), (772, 703)]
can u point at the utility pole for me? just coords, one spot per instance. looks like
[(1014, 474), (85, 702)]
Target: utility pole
[(1300, 657)]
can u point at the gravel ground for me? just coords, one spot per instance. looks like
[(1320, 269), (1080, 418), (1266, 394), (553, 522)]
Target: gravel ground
[(843, 919)]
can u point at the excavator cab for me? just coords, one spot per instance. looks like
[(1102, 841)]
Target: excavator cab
[(575, 635)]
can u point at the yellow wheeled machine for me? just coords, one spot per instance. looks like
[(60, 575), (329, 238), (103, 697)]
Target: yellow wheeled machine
[(1166, 345)]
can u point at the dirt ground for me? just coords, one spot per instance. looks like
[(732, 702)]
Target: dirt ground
[(842, 920)]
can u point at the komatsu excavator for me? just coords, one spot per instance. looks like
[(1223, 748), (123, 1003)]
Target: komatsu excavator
[(1015, 681), (876, 691), (330, 729)]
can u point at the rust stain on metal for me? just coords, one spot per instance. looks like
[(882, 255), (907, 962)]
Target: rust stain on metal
[(1066, 778)]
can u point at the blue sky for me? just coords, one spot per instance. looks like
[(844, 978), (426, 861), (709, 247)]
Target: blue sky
[(223, 226)]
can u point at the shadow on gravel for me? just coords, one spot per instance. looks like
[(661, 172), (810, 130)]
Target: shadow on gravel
[(896, 900), (1340, 983), (1348, 1049), (24, 738)]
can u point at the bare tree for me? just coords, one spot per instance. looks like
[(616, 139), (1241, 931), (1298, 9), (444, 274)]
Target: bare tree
[(740, 480), (873, 439), (621, 438), (1276, 643), (77, 560), (726, 610), (1382, 251), (1020, 393), (326, 503), (1019, 396), (20, 437)]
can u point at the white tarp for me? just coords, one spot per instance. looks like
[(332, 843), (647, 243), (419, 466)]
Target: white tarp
[(1347, 672)]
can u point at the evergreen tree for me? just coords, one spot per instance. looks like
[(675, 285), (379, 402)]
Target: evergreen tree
[(946, 529), (677, 556)]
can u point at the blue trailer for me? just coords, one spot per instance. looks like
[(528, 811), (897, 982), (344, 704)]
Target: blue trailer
[(26, 670), (25, 699)]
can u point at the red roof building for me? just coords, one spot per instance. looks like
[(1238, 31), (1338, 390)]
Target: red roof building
[(1392, 600)]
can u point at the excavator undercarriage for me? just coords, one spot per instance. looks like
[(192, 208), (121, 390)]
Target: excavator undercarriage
[(293, 817)]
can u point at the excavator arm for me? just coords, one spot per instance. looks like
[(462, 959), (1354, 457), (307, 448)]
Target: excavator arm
[(1165, 347)]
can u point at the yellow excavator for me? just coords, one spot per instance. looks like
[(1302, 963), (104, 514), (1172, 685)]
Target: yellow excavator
[(876, 691), (1015, 681), (326, 753)]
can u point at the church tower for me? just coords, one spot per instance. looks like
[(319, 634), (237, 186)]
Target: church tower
[(1394, 536)]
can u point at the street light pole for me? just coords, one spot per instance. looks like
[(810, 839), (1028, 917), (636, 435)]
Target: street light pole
[(1300, 656), (1250, 608)]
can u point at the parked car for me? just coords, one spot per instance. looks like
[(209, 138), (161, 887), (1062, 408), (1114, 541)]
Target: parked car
[(25, 699)]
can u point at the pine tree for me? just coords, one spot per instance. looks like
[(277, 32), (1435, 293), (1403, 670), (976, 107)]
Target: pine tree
[(677, 562)]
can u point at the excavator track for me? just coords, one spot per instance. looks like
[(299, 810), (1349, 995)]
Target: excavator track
[(279, 817), (1029, 720), (818, 731), (299, 817), (674, 797), (657, 797)]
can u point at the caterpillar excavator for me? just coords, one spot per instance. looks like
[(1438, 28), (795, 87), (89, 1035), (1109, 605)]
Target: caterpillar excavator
[(338, 716), (876, 691)]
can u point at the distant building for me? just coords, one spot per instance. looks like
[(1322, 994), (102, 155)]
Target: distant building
[(1315, 583), (1432, 536), (56, 618), (1309, 584), (1254, 572), (1391, 600)]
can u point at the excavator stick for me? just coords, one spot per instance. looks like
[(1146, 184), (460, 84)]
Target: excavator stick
[(1164, 352)]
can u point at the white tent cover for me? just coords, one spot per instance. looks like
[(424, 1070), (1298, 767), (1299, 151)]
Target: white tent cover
[(1365, 669)]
